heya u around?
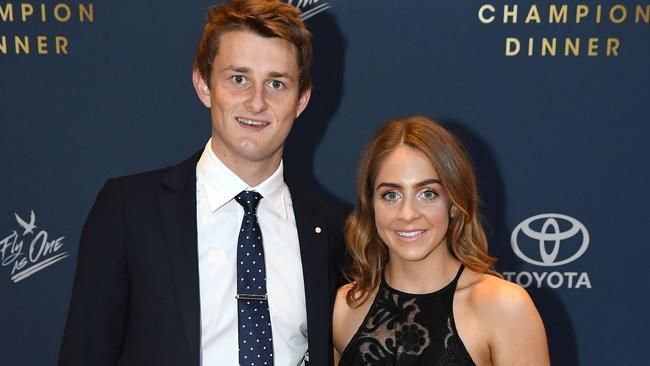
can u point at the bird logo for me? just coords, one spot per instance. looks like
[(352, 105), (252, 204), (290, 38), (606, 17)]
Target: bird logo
[(29, 227), (308, 8)]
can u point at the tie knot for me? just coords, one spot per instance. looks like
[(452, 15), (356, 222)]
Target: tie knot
[(249, 200)]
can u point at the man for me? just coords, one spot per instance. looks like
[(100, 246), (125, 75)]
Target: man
[(172, 269)]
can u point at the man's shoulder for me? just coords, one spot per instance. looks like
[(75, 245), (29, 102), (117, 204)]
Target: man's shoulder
[(318, 200), (172, 177)]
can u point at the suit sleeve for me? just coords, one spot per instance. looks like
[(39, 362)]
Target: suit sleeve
[(97, 317)]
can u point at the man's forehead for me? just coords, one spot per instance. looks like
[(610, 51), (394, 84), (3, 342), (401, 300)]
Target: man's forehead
[(250, 52), (238, 39)]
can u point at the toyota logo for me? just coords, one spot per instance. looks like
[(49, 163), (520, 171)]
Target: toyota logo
[(550, 233)]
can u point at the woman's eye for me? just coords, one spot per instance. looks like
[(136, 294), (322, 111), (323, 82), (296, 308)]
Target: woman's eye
[(239, 79), (275, 84), (429, 195), (390, 196)]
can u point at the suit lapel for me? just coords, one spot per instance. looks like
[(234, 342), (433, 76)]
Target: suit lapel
[(178, 213), (312, 235)]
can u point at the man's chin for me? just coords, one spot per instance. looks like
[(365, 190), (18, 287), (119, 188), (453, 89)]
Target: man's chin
[(256, 152)]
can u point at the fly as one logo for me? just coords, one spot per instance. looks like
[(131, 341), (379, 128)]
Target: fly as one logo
[(550, 240), (309, 8), (26, 257)]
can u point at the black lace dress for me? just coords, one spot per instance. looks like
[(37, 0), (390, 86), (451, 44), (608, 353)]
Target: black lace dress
[(407, 329)]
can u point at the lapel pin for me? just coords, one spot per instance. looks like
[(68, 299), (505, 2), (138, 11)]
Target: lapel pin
[(317, 229)]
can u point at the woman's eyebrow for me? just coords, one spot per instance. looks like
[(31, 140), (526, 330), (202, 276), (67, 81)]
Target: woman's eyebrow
[(428, 181)]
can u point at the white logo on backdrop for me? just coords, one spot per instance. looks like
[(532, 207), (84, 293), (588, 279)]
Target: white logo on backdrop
[(27, 251), (550, 233), (309, 8), (556, 231)]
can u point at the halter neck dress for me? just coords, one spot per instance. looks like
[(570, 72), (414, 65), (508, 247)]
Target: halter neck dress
[(408, 330)]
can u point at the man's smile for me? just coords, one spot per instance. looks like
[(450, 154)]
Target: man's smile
[(251, 122)]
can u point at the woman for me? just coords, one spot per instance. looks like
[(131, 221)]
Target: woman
[(422, 289)]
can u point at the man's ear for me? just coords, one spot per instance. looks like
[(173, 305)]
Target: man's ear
[(202, 89), (303, 101)]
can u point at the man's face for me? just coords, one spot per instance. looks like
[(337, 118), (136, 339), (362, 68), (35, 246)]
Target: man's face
[(252, 96)]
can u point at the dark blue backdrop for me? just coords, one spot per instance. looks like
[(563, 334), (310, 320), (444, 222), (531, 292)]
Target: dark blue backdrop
[(563, 135)]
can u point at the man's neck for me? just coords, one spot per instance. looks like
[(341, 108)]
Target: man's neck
[(251, 172)]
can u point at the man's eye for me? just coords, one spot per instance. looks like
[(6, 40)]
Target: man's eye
[(239, 79), (275, 84), (429, 195), (390, 196)]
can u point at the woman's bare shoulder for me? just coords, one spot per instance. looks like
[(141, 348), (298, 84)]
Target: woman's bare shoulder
[(496, 294), (347, 318), (510, 318)]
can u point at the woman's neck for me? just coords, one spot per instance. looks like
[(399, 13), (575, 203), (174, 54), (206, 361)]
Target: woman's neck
[(421, 277)]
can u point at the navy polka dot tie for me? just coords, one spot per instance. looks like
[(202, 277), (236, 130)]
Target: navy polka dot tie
[(255, 341)]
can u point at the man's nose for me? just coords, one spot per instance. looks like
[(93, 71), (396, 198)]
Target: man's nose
[(256, 101)]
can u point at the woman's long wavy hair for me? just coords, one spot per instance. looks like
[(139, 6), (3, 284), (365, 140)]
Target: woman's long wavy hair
[(466, 239)]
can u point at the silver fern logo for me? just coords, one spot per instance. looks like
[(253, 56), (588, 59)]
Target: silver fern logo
[(310, 8), (26, 250)]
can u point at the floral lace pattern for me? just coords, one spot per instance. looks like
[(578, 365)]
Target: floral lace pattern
[(455, 352), (408, 330), (390, 333)]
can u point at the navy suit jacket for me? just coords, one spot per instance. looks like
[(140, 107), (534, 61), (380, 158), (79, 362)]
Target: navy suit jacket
[(135, 299)]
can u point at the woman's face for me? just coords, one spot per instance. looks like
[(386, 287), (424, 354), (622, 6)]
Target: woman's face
[(411, 206)]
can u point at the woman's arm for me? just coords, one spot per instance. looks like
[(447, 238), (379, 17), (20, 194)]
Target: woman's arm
[(516, 333), (341, 332)]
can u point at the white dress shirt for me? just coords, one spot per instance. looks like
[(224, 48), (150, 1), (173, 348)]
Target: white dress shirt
[(219, 219)]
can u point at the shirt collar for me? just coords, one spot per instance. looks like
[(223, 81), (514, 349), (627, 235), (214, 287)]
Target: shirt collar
[(221, 184)]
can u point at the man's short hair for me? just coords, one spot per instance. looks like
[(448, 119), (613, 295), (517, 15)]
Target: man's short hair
[(267, 18)]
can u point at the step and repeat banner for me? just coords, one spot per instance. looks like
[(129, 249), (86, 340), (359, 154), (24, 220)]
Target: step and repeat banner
[(551, 99)]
